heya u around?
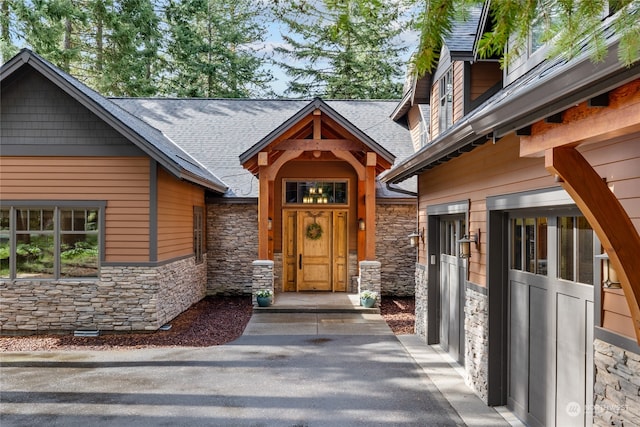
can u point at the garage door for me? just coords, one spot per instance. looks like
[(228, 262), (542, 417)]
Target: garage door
[(550, 319)]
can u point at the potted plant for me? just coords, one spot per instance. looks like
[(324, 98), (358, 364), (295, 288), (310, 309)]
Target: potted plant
[(264, 297), (368, 298)]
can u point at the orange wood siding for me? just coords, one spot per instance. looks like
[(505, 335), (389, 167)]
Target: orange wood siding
[(484, 75), (490, 170), (122, 182), (176, 200), (458, 90)]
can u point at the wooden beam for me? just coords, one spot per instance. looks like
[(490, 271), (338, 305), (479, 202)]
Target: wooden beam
[(318, 144), (370, 213), (601, 126), (263, 215), (607, 217), (525, 131), (270, 172), (350, 158), (317, 125)]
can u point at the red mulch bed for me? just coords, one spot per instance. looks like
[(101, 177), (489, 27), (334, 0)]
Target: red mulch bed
[(212, 321)]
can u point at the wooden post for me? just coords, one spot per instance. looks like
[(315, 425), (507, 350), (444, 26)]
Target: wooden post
[(370, 207), (607, 217)]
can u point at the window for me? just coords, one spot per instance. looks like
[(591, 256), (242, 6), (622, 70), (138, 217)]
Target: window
[(575, 249), (316, 192), (425, 131), (529, 245), (445, 113), (198, 233), (49, 242)]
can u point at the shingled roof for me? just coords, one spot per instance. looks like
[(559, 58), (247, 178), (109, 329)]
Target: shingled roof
[(149, 139), (218, 131)]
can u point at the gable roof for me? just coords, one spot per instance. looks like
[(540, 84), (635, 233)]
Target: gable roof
[(218, 131), (317, 104), (150, 140), (462, 40)]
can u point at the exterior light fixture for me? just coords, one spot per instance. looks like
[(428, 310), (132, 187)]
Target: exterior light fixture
[(414, 238), (610, 276), (465, 244), (361, 224), (269, 224)]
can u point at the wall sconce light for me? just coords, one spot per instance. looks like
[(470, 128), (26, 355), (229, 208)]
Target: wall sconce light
[(414, 238), (465, 244), (361, 224), (610, 276), (269, 224)]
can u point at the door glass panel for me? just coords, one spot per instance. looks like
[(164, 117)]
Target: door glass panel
[(565, 247), (541, 246), (585, 251), (315, 192), (516, 243), (530, 245)]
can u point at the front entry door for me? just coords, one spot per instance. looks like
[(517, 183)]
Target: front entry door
[(314, 254), (315, 250)]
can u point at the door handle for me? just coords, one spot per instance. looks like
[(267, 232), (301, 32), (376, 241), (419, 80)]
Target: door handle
[(300, 262)]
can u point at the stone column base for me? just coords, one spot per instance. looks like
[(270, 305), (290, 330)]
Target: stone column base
[(369, 278), (262, 278)]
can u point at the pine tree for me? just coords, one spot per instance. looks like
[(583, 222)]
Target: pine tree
[(121, 54), (566, 24), (342, 49), (210, 48)]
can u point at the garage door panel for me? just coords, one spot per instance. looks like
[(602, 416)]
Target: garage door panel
[(571, 358), (519, 345), (538, 353)]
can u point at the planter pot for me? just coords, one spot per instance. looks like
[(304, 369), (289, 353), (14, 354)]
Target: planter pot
[(367, 302), (264, 301)]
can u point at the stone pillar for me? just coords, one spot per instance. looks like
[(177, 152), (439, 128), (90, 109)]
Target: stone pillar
[(476, 327), (262, 278), (422, 299), (369, 278)]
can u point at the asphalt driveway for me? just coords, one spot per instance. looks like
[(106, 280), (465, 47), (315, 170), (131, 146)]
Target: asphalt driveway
[(337, 377)]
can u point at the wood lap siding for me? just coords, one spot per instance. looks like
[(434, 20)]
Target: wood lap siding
[(122, 182), (176, 200), (489, 170), (618, 162)]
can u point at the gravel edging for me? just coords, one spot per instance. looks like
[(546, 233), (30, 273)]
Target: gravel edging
[(209, 322)]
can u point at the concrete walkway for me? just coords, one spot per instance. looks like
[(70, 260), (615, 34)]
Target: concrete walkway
[(288, 369)]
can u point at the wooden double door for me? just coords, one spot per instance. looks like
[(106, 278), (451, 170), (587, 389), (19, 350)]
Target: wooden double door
[(315, 250)]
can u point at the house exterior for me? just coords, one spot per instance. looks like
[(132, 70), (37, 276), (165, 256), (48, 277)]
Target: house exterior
[(525, 177), (118, 214)]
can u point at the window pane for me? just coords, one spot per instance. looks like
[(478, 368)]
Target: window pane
[(541, 252), (316, 192), (530, 245), (585, 251), (4, 243), (34, 256), (516, 243), (565, 248), (78, 255)]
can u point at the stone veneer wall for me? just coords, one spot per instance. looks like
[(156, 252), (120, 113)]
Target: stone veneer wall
[(125, 298), (617, 386), (232, 245), (421, 298), (476, 326), (394, 223)]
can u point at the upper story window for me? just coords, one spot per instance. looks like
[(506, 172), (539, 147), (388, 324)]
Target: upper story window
[(316, 192), (54, 242), (445, 112), (425, 129)]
